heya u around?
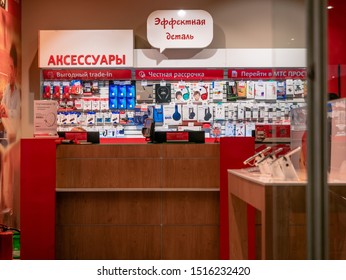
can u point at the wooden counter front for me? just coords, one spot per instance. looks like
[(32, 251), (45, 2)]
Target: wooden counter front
[(148, 166), (137, 201), (280, 220), (281, 231)]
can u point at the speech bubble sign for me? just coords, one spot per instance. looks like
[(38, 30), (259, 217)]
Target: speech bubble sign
[(179, 29)]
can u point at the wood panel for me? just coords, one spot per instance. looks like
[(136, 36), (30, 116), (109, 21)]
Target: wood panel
[(190, 242), (109, 151), (194, 208), (100, 242), (191, 151), (191, 173), (108, 173), (258, 238), (108, 208), (287, 224), (281, 226), (297, 243), (110, 225), (337, 223), (238, 229), (282, 219)]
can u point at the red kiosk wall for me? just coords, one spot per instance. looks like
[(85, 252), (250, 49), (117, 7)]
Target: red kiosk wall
[(37, 199), (336, 47), (233, 151)]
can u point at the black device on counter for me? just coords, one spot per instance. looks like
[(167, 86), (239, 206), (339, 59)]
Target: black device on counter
[(148, 129), (88, 136), (179, 137), (153, 136)]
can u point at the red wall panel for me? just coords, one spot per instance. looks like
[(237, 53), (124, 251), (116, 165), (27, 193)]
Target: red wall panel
[(233, 151), (337, 46), (37, 199)]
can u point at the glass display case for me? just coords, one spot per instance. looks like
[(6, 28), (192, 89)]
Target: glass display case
[(337, 120), (298, 118)]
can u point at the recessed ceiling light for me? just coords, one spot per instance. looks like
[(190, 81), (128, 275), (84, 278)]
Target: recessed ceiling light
[(181, 13), (330, 7)]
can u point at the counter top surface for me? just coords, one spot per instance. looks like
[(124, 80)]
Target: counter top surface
[(267, 180), (263, 179)]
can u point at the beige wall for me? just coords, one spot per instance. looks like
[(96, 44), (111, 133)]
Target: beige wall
[(237, 24)]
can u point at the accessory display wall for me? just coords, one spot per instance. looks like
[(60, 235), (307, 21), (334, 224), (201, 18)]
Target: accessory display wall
[(117, 109)]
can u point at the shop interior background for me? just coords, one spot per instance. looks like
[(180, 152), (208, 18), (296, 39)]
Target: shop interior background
[(237, 24)]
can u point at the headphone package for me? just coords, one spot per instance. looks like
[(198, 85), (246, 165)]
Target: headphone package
[(190, 112), (162, 93)]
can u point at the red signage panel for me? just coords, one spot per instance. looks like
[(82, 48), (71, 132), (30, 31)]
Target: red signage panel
[(182, 136), (267, 74), (180, 74), (92, 74)]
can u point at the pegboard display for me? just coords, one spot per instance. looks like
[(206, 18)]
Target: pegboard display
[(118, 108)]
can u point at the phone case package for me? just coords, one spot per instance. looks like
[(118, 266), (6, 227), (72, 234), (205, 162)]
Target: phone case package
[(233, 111), (217, 89), (113, 90), (260, 90), (250, 88), (131, 90), (299, 88), (219, 111), (271, 92), (281, 90), (241, 89), (130, 102), (113, 103), (240, 130), (95, 104), (121, 100), (289, 88), (231, 91), (230, 129), (158, 113), (122, 90), (47, 90)]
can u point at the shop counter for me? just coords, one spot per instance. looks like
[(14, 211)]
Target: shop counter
[(137, 201), (280, 224), (137, 166)]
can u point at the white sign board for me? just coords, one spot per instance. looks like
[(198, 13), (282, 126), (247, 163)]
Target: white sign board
[(179, 29), (85, 48), (45, 118)]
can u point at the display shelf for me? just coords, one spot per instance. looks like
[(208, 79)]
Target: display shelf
[(236, 105), (337, 116), (263, 179), (274, 140), (96, 189)]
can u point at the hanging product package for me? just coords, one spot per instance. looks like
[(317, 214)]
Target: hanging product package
[(163, 93)]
